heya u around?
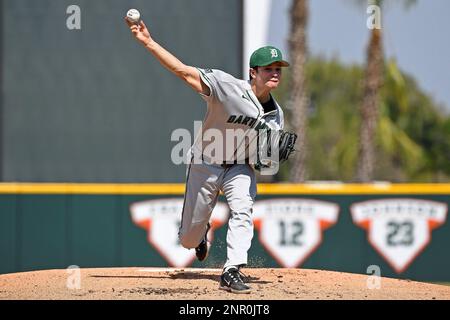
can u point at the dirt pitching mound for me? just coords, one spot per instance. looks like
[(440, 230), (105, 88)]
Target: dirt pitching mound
[(202, 284)]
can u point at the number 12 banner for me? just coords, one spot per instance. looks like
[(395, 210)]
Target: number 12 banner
[(291, 229)]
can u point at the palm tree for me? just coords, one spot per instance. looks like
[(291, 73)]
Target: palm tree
[(298, 99), (369, 107)]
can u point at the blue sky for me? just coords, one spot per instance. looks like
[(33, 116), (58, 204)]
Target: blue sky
[(418, 37)]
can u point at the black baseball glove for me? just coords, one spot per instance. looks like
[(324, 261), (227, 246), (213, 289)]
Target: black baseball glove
[(286, 144)]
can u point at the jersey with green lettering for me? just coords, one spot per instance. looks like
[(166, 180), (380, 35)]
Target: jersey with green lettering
[(233, 111)]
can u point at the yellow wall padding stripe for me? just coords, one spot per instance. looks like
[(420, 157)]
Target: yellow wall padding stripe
[(90, 188), (178, 188)]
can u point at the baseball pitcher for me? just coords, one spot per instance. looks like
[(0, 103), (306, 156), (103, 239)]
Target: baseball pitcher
[(233, 105)]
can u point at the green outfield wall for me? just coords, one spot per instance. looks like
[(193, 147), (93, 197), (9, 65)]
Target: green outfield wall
[(47, 226)]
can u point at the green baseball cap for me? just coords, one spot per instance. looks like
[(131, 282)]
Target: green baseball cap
[(265, 56)]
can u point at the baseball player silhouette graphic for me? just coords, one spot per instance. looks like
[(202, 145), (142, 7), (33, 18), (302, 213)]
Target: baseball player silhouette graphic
[(232, 104)]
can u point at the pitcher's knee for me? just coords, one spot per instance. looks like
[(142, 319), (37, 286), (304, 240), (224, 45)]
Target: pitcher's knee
[(242, 219), (245, 210), (243, 207)]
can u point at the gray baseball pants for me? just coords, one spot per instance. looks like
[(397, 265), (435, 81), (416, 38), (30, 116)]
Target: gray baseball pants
[(204, 182)]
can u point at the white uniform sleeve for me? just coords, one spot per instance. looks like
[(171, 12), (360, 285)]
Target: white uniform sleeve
[(208, 77), (217, 81)]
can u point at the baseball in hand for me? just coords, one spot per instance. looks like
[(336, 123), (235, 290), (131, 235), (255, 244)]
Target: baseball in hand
[(133, 16)]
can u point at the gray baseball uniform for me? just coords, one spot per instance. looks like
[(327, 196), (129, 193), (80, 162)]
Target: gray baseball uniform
[(231, 107)]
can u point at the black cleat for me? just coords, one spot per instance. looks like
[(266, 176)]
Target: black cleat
[(203, 248), (231, 281), (245, 278)]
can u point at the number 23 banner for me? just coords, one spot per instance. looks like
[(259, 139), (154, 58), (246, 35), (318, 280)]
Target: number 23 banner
[(399, 229)]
